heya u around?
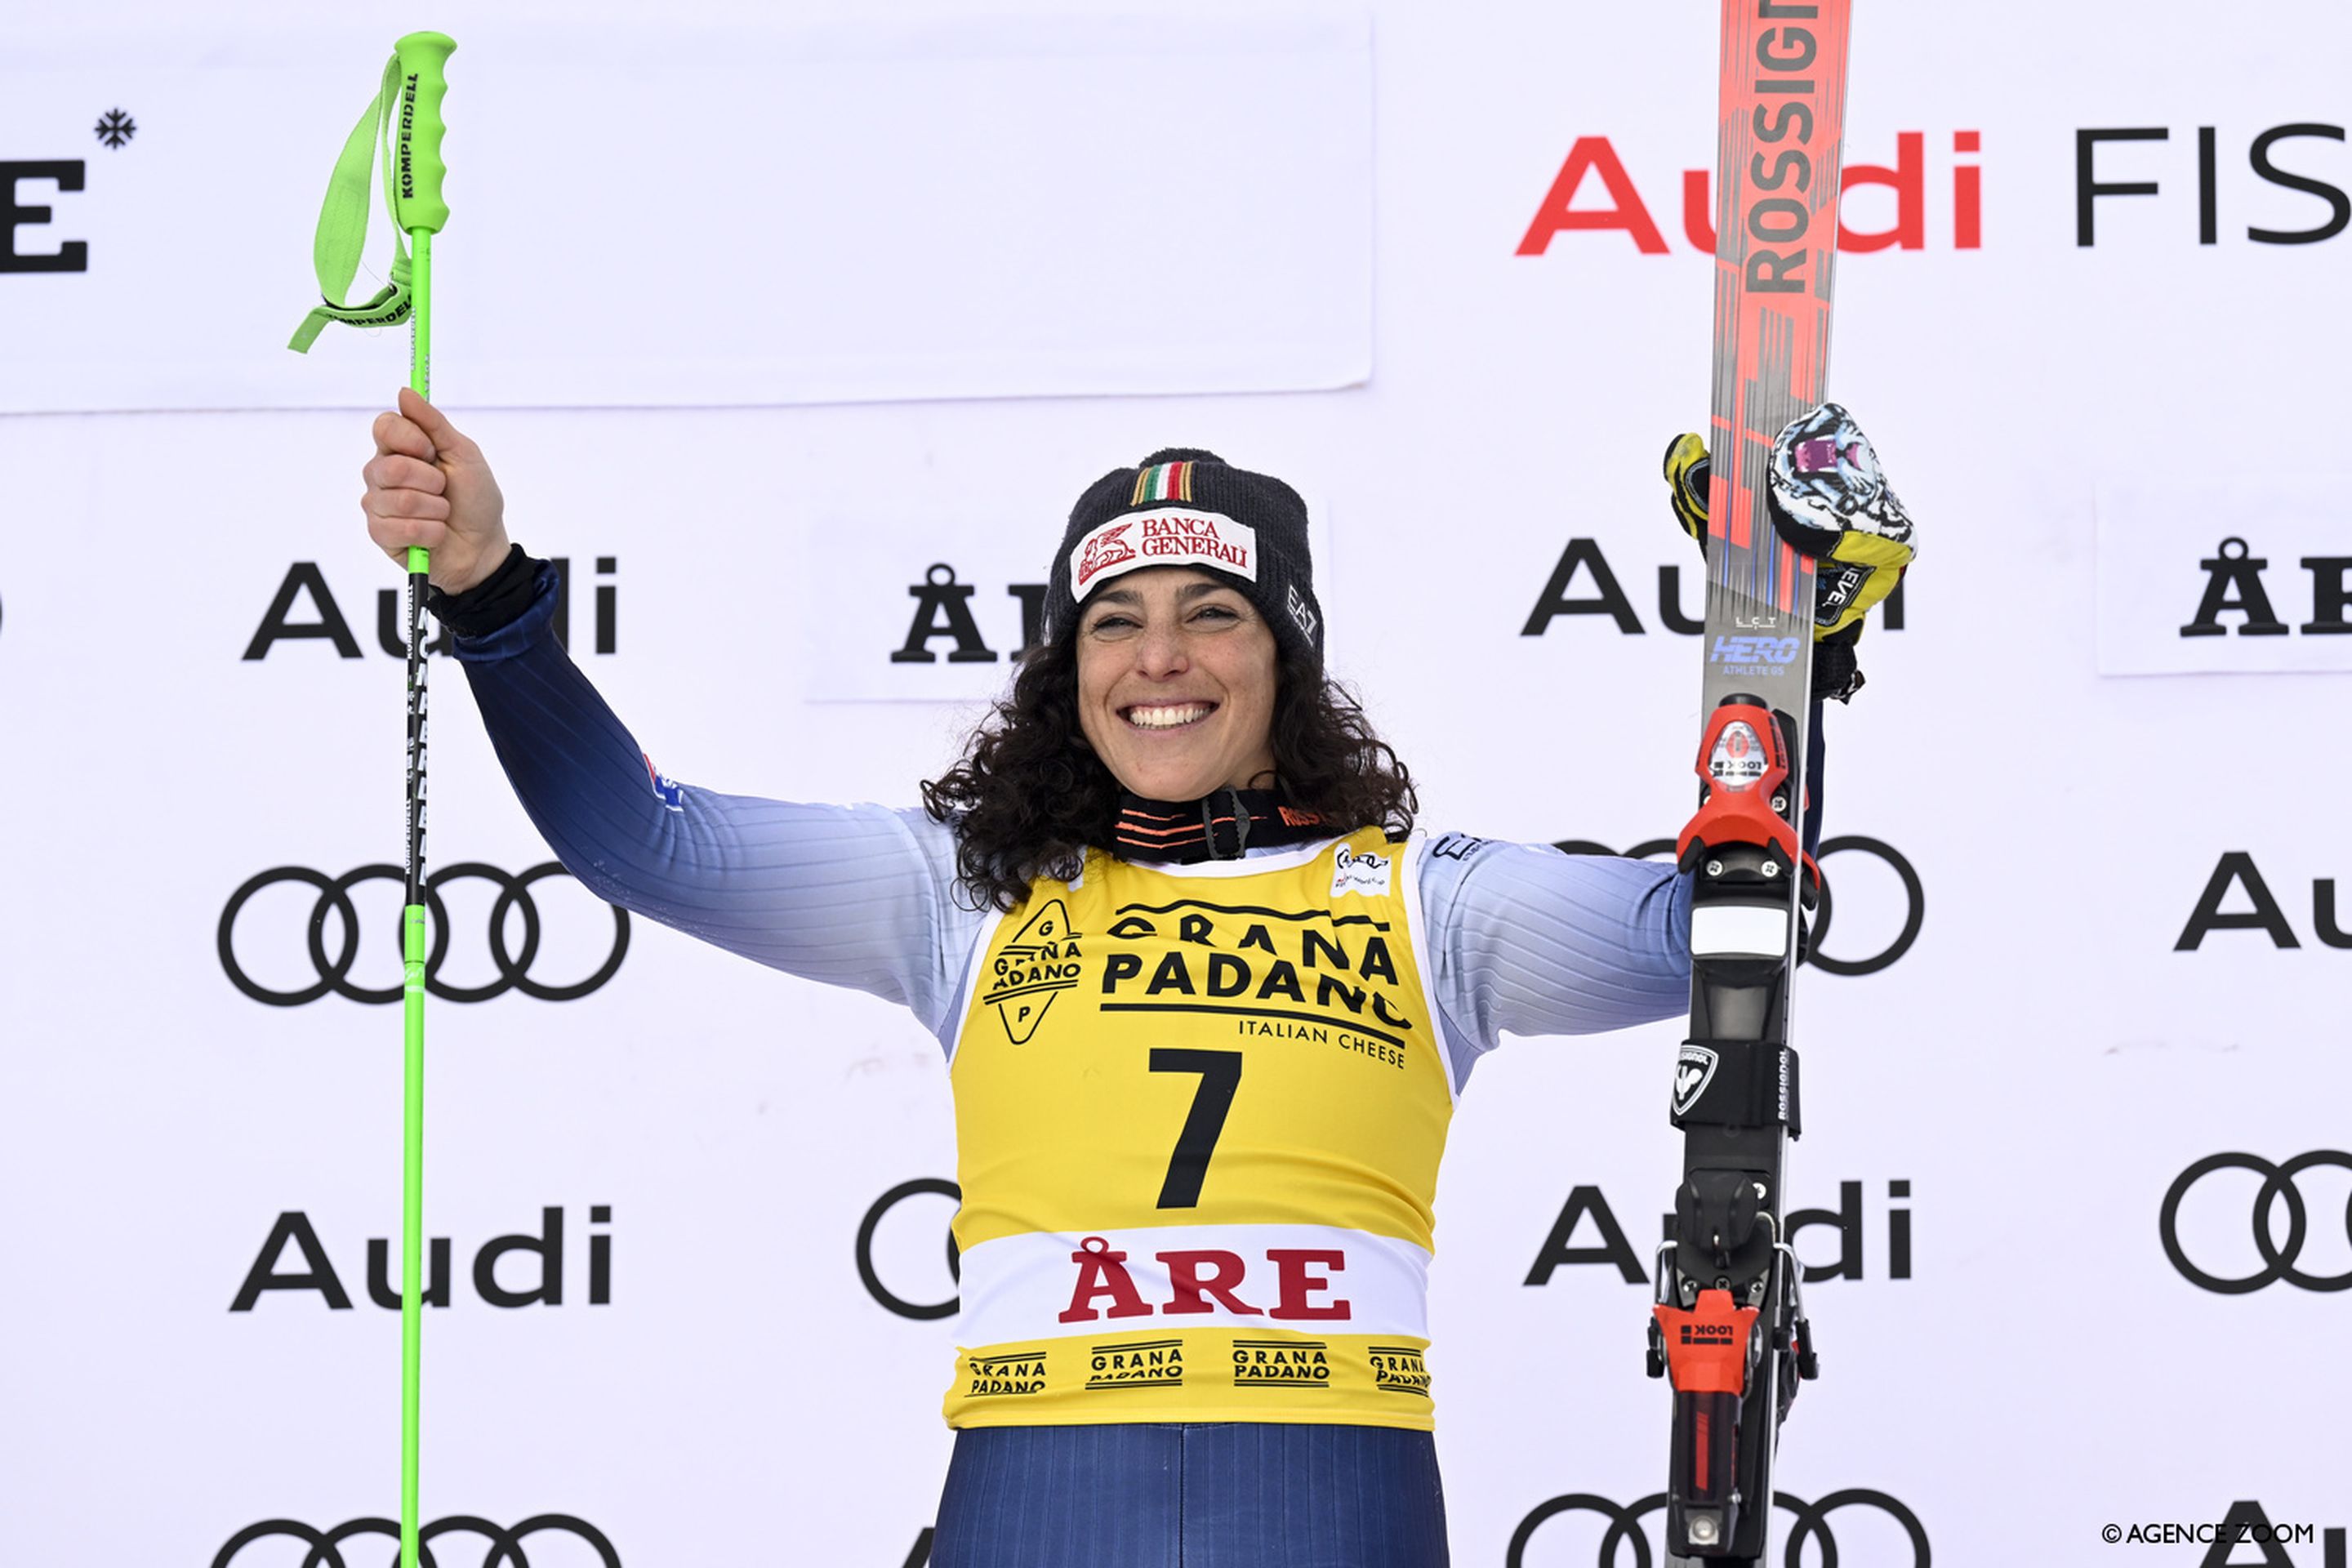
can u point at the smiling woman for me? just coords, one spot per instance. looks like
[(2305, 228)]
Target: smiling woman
[(1207, 999), (1176, 685), (1182, 681)]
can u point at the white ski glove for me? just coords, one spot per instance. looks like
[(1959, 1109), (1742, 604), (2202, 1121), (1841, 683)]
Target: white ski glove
[(1831, 500)]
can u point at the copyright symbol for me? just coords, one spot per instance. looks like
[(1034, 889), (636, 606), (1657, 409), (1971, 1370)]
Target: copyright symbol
[(2112, 1534)]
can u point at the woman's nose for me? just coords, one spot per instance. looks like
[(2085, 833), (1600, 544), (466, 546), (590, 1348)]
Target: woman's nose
[(1162, 650)]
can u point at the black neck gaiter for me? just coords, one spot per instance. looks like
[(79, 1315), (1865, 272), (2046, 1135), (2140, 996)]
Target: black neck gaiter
[(1218, 826)]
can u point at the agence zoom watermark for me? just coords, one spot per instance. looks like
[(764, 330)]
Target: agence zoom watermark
[(2226, 1532)]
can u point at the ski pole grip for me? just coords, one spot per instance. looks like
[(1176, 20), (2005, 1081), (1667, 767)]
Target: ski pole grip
[(419, 168)]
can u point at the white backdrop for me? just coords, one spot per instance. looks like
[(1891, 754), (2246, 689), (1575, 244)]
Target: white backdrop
[(1311, 240)]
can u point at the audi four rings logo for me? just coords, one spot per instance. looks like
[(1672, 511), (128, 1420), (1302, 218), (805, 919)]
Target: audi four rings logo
[(2278, 1186), (333, 971), (504, 1548), (1813, 1524), (1915, 896), (921, 1311)]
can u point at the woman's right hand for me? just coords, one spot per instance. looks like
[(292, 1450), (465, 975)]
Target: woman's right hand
[(429, 486)]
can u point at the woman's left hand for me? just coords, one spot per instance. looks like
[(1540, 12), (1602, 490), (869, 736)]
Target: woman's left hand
[(1829, 500)]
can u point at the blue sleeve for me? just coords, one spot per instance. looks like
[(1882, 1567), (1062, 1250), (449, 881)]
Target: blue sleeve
[(1526, 938), (862, 896)]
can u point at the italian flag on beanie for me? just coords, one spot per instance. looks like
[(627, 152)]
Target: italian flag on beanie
[(1186, 507)]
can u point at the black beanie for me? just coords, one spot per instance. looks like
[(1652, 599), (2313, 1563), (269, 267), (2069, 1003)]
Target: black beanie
[(1184, 507)]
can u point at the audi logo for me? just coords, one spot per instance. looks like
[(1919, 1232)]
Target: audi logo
[(334, 972), (2278, 1186), (1812, 1525), (1915, 896), (504, 1550), (921, 1311)]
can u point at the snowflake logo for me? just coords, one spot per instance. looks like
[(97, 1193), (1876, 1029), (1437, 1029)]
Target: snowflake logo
[(114, 128)]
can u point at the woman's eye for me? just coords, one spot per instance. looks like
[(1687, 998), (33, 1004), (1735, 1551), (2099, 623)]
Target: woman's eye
[(1120, 625)]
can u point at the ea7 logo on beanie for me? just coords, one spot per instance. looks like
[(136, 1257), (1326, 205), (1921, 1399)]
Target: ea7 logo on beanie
[(1299, 610), (1176, 536)]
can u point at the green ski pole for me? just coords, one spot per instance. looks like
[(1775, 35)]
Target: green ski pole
[(407, 110)]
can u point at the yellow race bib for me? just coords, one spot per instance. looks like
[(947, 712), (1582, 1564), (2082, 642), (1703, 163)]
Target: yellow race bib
[(1199, 1115)]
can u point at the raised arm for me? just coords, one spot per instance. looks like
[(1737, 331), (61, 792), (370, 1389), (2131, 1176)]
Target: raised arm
[(1526, 940), (851, 895), (861, 896)]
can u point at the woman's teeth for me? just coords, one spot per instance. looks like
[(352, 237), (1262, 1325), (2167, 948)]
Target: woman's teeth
[(1168, 718)]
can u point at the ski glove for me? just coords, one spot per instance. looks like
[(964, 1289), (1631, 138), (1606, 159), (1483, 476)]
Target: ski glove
[(1828, 499), (1687, 476)]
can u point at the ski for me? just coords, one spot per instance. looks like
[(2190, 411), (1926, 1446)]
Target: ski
[(1729, 1327)]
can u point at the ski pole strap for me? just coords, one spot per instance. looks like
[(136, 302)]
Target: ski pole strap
[(1737, 1083), (412, 86)]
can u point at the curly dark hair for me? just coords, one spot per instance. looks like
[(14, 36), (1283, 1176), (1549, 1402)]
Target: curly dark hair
[(1029, 795)]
